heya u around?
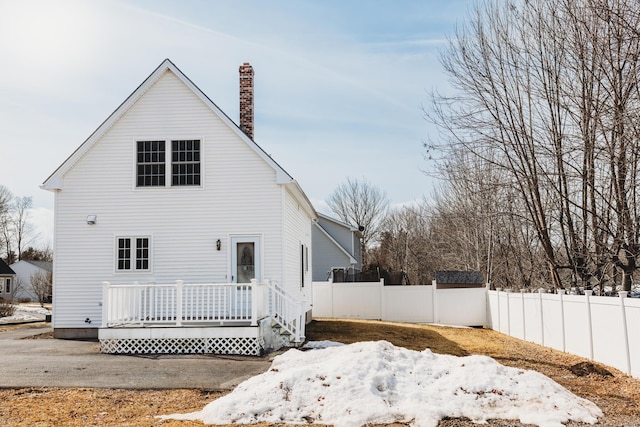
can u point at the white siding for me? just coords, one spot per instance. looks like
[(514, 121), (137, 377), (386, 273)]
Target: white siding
[(297, 232), (238, 196)]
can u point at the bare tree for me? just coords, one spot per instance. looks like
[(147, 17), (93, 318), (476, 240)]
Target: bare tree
[(6, 198), (404, 244), (42, 285), (19, 286), (547, 93), (22, 229), (362, 205), (16, 230)]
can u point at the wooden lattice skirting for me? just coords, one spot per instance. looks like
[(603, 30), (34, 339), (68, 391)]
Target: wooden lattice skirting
[(248, 346)]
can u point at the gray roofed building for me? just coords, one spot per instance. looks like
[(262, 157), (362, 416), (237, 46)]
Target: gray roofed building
[(5, 270), (7, 277)]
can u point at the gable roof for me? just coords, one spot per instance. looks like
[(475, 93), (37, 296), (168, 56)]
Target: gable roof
[(43, 265), (459, 277), (337, 221), (55, 182), (352, 260), (5, 270)]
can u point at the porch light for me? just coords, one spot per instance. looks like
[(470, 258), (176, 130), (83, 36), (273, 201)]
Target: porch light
[(218, 244), (91, 219)]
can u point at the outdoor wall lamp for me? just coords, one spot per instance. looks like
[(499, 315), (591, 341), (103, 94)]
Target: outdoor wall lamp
[(218, 244), (91, 219)]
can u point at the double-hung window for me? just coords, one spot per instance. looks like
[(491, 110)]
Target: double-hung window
[(7, 285), (185, 162), (157, 168), (132, 254), (151, 164)]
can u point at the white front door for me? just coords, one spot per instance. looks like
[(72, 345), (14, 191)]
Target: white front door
[(245, 259)]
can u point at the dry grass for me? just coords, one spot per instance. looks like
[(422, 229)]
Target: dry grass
[(617, 395)]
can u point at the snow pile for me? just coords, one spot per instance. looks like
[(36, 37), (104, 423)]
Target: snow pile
[(376, 382), (31, 309), (319, 345), (24, 313)]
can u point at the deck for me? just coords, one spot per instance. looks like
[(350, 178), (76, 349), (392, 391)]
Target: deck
[(198, 318)]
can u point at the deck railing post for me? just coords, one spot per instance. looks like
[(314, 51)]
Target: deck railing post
[(300, 322), (105, 303), (254, 302), (179, 286)]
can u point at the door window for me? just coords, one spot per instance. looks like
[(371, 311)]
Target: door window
[(245, 259), (246, 266)]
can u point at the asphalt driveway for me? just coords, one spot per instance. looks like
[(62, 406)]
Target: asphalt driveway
[(65, 363)]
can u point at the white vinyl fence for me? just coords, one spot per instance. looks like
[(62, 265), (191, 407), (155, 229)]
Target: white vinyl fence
[(415, 304), (603, 329)]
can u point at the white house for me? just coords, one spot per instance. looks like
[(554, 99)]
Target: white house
[(176, 232), (25, 270), (7, 277)]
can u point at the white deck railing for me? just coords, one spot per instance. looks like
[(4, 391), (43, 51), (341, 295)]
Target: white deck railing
[(288, 312), (183, 304)]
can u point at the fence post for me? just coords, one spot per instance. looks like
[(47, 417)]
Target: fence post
[(179, 284), (524, 319), (508, 312), (623, 310), (498, 299), (487, 307), (434, 300), (561, 293), (383, 306), (105, 303), (540, 292), (587, 294)]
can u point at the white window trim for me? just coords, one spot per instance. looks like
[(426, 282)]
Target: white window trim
[(133, 269), (167, 164)]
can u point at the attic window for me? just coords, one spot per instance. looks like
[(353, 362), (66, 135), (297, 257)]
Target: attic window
[(185, 162), (150, 164)]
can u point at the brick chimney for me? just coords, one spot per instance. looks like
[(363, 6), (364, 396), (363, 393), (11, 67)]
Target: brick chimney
[(246, 99)]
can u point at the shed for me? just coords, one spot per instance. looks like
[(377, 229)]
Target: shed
[(458, 279)]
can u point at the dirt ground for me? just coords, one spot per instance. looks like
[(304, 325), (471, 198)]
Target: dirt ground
[(618, 395)]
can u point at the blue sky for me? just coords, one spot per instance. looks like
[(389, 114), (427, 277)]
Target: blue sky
[(338, 84)]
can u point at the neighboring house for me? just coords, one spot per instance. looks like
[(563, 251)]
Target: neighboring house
[(458, 279), (176, 232), (25, 270), (7, 278), (336, 246)]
